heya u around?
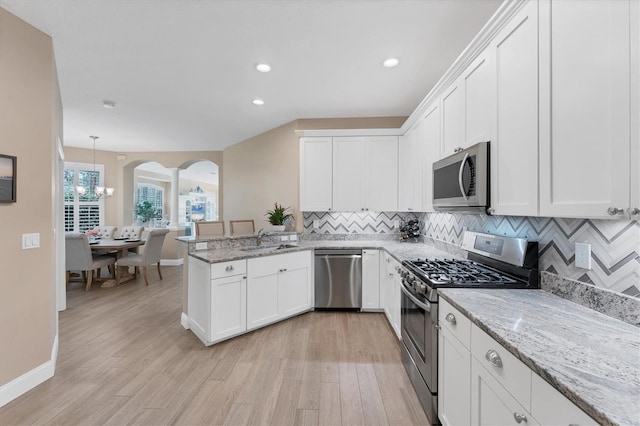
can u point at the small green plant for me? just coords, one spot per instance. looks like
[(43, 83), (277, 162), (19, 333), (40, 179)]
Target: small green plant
[(145, 211), (278, 215)]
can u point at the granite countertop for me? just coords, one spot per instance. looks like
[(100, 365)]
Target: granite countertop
[(399, 250), (592, 359)]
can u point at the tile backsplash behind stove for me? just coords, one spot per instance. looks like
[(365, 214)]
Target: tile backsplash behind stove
[(615, 244)]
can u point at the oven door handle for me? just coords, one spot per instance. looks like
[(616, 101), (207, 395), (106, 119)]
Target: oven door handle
[(460, 172), (414, 300)]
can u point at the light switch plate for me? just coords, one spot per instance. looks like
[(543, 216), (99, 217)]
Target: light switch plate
[(284, 238), (293, 237), (316, 224), (30, 241), (201, 246), (396, 224), (583, 256)]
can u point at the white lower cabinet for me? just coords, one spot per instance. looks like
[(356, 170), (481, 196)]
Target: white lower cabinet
[(481, 383), (217, 299), (371, 280), (230, 298), (277, 287), (390, 300)]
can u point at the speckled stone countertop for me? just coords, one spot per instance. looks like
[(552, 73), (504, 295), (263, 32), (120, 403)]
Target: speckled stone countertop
[(592, 359), (399, 250)]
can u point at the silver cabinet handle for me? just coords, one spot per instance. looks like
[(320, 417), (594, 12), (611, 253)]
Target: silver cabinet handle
[(458, 149), (451, 318), (229, 268), (464, 161), (437, 326), (491, 210), (520, 417), (634, 211), (614, 211), (494, 359)]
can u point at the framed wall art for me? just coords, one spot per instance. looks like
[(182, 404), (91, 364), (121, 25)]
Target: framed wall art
[(7, 179)]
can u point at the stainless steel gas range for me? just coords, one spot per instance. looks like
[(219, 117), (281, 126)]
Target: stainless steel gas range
[(493, 262)]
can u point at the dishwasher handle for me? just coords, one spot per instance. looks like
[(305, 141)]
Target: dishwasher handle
[(338, 252)]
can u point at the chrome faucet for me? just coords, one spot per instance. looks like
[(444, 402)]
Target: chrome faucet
[(260, 235)]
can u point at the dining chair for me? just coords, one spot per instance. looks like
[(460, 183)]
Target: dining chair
[(152, 253), (210, 229), (78, 257), (105, 231), (242, 227), (132, 232)]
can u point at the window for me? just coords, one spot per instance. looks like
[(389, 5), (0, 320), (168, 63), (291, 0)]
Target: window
[(152, 193), (82, 212)]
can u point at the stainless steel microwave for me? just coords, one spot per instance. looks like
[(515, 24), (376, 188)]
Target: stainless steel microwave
[(461, 181)]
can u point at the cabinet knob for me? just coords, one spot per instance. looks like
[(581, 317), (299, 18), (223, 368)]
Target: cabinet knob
[(244, 278), (229, 268), (613, 211), (329, 209), (634, 211), (437, 326), (451, 318), (283, 270), (491, 210), (494, 359), (520, 417)]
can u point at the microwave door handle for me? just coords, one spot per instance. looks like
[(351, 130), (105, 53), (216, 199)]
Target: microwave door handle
[(464, 161)]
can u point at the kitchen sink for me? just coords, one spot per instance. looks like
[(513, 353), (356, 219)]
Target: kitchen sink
[(267, 249)]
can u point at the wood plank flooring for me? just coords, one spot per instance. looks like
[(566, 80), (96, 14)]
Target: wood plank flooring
[(124, 359)]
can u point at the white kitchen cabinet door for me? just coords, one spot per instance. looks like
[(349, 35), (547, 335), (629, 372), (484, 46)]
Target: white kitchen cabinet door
[(348, 174), (550, 407), (316, 174), (479, 93), (386, 288), (514, 147), (491, 404), (370, 280), (199, 288), (396, 298), (381, 173), (228, 307), (410, 169), (453, 127), (454, 380), (262, 300), (430, 130), (294, 291), (585, 108)]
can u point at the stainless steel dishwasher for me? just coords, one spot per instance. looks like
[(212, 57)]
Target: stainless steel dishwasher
[(338, 278)]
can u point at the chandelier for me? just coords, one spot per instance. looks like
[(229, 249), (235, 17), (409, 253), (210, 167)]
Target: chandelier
[(94, 191)]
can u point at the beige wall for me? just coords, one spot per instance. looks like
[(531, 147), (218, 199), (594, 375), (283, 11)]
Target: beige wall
[(30, 121), (264, 169)]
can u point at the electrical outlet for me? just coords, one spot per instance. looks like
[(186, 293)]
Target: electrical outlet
[(293, 237), (396, 224), (201, 246), (316, 224), (583, 256), (284, 238)]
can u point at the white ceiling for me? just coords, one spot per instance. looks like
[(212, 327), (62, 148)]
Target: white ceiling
[(181, 72)]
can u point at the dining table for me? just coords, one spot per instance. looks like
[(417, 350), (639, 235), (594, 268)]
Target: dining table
[(120, 247)]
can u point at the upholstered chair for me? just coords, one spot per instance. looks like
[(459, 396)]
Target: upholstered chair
[(105, 231), (151, 254), (242, 227), (132, 232), (78, 257), (210, 229)]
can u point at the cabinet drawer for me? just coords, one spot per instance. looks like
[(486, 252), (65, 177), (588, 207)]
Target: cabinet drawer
[(508, 370), (269, 265), (458, 324), (548, 406), (228, 269)]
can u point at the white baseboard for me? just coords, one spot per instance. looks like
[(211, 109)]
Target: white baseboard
[(171, 262), (184, 321), (30, 379)]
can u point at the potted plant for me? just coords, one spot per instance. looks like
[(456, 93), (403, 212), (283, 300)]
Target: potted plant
[(278, 216), (146, 212)]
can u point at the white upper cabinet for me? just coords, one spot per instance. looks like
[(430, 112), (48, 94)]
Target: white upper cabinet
[(514, 147), (410, 169), (634, 209), (316, 174), (585, 102), (452, 119), (467, 106), (431, 152), (365, 173)]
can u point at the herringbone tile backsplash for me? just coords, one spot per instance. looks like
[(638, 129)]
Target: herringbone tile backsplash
[(615, 244)]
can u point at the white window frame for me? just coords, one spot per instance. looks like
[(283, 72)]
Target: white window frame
[(76, 203), (157, 188)]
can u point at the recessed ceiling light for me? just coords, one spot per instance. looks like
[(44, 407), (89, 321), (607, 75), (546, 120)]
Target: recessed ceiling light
[(109, 104), (263, 67), (390, 63), (257, 102)]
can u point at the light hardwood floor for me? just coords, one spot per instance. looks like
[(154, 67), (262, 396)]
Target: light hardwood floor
[(125, 359)]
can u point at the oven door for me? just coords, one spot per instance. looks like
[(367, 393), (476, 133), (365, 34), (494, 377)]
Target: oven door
[(419, 336)]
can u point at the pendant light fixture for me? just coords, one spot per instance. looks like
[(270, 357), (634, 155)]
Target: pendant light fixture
[(94, 192)]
